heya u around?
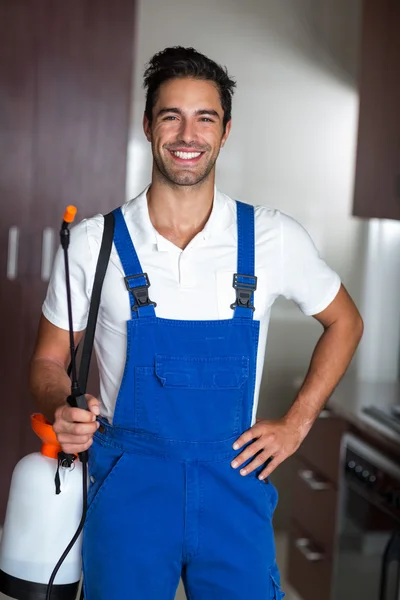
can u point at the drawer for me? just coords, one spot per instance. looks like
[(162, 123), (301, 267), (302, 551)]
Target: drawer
[(309, 569), (321, 448), (314, 505)]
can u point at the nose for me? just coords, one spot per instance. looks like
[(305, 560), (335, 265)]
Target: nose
[(187, 131)]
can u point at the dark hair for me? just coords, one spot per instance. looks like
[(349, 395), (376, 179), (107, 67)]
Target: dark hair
[(178, 62)]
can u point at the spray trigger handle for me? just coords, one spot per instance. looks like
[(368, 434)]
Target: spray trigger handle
[(78, 401)]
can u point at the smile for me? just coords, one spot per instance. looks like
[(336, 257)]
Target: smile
[(186, 155)]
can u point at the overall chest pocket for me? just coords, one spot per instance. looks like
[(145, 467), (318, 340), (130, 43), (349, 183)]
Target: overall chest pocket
[(191, 398)]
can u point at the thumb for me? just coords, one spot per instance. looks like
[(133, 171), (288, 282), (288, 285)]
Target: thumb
[(93, 404)]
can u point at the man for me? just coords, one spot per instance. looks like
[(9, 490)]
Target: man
[(179, 465)]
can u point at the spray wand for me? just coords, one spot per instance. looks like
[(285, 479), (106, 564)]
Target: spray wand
[(76, 398)]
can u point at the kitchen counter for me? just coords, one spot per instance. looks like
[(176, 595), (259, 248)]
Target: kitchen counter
[(352, 396)]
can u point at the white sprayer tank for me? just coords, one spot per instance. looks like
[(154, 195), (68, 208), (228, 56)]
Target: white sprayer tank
[(40, 524)]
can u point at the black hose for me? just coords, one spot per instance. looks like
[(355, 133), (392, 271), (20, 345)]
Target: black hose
[(76, 536)]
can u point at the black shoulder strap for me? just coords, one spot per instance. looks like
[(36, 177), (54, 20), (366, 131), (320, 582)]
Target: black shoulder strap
[(101, 268)]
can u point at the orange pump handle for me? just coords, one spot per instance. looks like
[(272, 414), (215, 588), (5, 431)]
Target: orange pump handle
[(70, 213), (44, 429)]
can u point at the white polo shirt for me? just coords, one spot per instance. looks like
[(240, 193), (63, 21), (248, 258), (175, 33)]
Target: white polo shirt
[(191, 284)]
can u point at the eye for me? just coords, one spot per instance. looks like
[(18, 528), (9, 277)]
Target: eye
[(169, 118), (206, 120)]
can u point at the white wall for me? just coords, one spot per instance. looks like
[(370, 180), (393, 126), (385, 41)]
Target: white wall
[(293, 140)]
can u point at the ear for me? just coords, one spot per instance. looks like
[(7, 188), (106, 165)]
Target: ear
[(147, 128), (227, 132)]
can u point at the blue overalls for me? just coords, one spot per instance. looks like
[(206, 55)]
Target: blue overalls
[(164, 501)]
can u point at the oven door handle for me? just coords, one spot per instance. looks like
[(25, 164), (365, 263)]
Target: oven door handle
[(303, 544), (309, 477), (391, 554)]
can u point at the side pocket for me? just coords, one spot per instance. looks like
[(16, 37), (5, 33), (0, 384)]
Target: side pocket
[(276, 591), (271, 492), (104, 462)]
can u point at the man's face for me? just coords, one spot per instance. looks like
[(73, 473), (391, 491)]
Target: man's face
[(187, 132)]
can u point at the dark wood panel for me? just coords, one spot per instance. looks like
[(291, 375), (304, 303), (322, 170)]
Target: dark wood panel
[(17, 92), (84, 78), (377, 183), (315, 506), (310, 578), (321, 447), (84, 81), (65, 95)]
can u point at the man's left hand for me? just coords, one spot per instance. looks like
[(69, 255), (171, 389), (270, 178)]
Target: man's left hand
[(274, 440)]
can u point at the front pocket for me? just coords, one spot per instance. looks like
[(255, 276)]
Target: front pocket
[(267, 489), (191, 398), (104, 462)]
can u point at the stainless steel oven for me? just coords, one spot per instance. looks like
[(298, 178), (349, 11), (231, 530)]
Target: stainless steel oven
[(367, 549)]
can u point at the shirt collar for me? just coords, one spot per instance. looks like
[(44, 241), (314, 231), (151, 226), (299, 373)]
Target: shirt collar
[(137, 217)]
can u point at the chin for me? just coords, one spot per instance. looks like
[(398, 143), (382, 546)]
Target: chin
[(187, 179)]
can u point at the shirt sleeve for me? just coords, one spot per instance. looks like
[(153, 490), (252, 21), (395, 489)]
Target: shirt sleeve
[(305, 277), (81, 269)]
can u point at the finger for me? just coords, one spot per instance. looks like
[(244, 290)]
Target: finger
[(76, 440), (271, 467), (250, 451), (66, 427), (93, 404), (246, 437), (76, 448), (77, 415), (84, 428), (259, 460)]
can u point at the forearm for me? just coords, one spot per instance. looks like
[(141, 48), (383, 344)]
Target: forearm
[(49, 385), (329, 362)]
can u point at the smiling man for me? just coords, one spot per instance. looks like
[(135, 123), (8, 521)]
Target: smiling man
[(178, 464)]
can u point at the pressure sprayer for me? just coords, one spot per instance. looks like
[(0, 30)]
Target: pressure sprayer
[(46, 508)]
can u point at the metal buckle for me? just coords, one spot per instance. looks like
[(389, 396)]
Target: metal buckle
[(244, 290), (140, 292)]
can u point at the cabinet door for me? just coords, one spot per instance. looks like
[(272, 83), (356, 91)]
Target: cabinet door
[(320, 448), (315, 505), (17, 93), (310, 570), (377, 183)]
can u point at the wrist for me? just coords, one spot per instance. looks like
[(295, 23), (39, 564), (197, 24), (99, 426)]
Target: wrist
[(300, 420)]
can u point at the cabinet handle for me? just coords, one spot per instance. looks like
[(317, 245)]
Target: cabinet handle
[(12, 256), (317, 485), (47, 253), (325, 414), (303, 545)]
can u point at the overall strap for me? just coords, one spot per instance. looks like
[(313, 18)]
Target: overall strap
[(244, 281), (137, 282), (101, 268)]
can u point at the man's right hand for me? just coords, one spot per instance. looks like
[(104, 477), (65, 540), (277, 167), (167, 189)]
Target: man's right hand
[(75, 427)]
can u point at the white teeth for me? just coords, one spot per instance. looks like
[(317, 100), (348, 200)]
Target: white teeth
[(187, 155)]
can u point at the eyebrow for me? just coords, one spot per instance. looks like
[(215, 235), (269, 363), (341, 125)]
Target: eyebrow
[(178, 111)]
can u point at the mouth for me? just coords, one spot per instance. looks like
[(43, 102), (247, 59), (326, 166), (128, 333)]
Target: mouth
[(186, 158)]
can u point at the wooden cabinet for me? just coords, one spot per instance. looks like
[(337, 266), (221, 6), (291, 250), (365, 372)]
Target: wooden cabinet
[(377, 182), (313, 516), (310, 571), (65, 77), (17, 92)]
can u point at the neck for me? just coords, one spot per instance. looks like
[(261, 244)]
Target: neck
[(177, 212)]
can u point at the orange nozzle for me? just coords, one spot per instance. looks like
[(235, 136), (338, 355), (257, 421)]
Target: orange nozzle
[(70, 213), (45, 431)]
